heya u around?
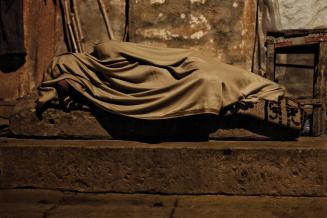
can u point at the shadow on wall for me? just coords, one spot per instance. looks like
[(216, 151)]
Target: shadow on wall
[(12, 49), (11, 62)]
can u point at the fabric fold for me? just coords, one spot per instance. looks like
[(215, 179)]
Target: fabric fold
[(156, 83)]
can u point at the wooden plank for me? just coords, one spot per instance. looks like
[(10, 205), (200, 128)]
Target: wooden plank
[(311, 101), (322, 68), (311, 48), (270, 62), (298, 40), (319, 112), (296, 33), (295, 66)]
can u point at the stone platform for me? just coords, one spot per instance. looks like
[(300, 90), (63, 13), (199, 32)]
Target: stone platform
[(276, 168), (21, 203)]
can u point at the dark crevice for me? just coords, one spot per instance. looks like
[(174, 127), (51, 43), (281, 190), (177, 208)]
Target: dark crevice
[(126, 29), (47, 213), (172, 212), (168, 194)]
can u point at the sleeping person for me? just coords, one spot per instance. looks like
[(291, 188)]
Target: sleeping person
[(148, 82)]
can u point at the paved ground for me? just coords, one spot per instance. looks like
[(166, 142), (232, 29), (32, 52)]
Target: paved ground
[(47, 203)]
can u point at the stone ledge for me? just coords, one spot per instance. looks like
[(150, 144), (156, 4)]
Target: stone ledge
[(98, 124), (274, 168)]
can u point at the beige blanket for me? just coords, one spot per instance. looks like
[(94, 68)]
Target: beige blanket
[(154, 83)]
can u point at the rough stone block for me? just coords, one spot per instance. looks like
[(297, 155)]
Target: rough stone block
[(216, 167), (54, 123)]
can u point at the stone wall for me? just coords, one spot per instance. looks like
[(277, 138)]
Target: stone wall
[(224, 29)]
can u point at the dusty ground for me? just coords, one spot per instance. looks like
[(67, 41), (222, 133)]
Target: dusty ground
[(47, 203)]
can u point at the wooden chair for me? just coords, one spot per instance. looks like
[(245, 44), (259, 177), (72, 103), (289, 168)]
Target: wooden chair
[(303, 42)]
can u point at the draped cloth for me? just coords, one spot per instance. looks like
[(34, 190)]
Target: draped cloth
[(155, 83)]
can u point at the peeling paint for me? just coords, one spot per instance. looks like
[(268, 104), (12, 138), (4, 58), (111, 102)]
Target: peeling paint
[(198, 1), (242, 45), (198, 28), (169, 33), (157, 33), (197, 35), (199, 20), (152, 2), (161, 17), (235, 5)]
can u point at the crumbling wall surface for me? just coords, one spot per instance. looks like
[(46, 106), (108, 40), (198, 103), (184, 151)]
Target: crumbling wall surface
[(303, 14), (43, 32), (92, 21), (40, 30), (224, 28)]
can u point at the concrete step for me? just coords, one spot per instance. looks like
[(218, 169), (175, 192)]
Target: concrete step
[(58, 204), (277, 168)]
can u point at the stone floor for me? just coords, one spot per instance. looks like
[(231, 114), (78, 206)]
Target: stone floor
[(108, 178), (48, 203)]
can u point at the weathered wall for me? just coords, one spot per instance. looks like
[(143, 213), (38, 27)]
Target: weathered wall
[(223, 28), (303, 14), (40, 27), (44, 39), (92, 22), (199, 24)]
